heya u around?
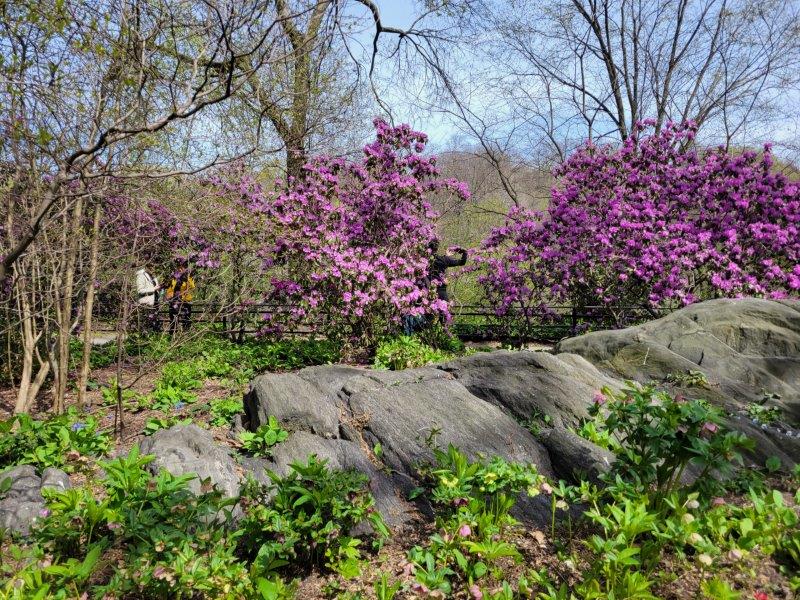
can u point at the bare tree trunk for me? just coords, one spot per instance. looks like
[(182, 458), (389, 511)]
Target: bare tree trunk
[(28, 345), (122, 329), (88, 308), (29, 389), (65, 313)]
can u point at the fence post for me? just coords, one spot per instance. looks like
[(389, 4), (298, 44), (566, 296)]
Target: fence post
[(574, 319)]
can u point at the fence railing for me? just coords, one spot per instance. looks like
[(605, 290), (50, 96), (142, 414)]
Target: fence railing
[(470, 322)]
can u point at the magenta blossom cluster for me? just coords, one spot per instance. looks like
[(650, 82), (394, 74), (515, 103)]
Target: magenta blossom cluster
[(155, 234), (346, 247), (651, 222)]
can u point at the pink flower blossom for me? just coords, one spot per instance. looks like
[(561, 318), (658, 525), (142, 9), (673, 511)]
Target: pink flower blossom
[(642, 222)]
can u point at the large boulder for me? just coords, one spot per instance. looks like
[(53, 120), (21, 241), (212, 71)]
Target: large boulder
[(406, 419), (185, 449), (298, 404), (343, 414), (23, 503), (744, 347), (575, 458), (747, 350), (532, 384)]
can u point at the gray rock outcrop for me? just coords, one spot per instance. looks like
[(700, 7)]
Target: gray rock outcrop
[(748, 351), (403, 412), (23, 503), (184, 449)]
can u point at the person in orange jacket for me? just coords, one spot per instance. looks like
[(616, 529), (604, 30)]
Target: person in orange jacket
[(179, 296)]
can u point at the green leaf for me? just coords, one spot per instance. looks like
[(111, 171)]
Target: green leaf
[(745, 526)]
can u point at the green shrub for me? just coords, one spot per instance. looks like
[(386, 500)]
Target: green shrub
[(176, 543), (312, 512), (441, 338), (406, 352), (659, 436), (158, 423), (56, 442), (36, 576), (224, 410), (260, 442), (473, 500)]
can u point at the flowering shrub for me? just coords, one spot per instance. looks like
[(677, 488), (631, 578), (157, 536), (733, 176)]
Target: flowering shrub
[(647, 223), (346, 247), (406, 352)]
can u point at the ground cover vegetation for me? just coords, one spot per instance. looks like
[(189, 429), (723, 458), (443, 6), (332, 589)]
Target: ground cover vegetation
[(676, 501)]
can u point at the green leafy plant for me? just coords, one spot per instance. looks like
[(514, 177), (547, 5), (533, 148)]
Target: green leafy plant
[(717, 589), (760, 413), (260, 442), (405, 352), (176, 543), (594, 430), (689, 379), (62, 441), (659, 436), (131, 401), (384, 590), (38, 577), (309, 520), (223, 410), (165, 397), (473, 501), (454, 481), (536, 421), (185, 375)]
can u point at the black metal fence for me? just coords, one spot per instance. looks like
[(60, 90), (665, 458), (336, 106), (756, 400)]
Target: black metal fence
[(470, 322)]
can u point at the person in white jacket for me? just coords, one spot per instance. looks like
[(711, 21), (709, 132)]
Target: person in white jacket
[(147, 291)]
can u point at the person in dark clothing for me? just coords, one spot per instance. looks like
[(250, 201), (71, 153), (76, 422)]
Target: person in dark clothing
[(440, 264), (436, 276)]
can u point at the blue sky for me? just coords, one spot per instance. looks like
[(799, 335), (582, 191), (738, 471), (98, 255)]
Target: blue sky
[(401, 14)]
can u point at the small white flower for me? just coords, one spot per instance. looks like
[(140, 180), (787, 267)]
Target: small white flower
[(705, 560)]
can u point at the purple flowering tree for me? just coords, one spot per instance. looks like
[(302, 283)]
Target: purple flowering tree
[(346, 247), (651, 222)]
